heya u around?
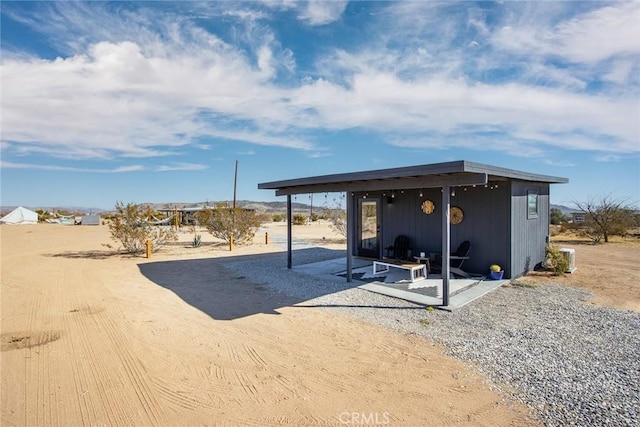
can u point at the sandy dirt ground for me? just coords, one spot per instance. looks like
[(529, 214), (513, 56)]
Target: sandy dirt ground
[(93, 338), (611, 271)]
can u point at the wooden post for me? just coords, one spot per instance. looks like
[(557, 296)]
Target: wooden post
[(175, 217), (148, 248), (231, 243), (266, 238)]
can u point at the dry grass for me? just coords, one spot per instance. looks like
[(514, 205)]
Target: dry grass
[(610, 270)]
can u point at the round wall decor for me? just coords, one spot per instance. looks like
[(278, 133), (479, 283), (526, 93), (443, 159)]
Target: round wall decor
[(456, 215), (428, 207)]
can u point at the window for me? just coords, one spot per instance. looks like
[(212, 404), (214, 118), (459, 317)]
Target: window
[(532, 204)]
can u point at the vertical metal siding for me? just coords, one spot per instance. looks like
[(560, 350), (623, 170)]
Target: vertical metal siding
[(528, 234), (495, 222)]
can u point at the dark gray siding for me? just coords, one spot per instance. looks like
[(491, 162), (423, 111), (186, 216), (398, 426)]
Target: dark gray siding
[(528, 235), (486, 223)]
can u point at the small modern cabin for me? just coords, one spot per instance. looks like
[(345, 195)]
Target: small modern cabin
[(504, 213)]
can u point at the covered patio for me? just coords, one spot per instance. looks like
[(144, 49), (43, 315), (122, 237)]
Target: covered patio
[(396, 284), (504, 213)]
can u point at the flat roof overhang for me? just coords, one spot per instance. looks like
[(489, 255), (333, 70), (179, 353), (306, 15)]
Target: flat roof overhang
[(458, 173)]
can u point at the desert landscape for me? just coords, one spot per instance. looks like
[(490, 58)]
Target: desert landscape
[(92, 337)]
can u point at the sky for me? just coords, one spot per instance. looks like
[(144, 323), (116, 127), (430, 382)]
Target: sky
[(106, 102)]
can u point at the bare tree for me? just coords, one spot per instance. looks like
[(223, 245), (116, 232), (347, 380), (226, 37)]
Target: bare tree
[(605, 216)]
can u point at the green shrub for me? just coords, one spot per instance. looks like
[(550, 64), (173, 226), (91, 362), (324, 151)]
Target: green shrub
[(130, 227), (278, 218), (299, 219), (556, 261), (223, 222), (197, 241)]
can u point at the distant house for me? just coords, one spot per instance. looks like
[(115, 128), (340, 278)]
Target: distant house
[(578, 217), (504, 213), (91, 219)]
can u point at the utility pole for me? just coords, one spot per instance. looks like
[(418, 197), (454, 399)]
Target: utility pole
[(233, 212), (235, 187)]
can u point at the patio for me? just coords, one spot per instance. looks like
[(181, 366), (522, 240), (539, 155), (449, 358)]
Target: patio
[(398, 284)]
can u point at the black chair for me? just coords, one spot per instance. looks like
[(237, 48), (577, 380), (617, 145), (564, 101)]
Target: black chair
[(457, 258), (400, 248)]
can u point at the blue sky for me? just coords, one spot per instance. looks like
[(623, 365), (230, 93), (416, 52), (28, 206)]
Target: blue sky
[(155, 101)]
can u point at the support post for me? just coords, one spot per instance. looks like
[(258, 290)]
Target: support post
[(446, 243), (266, 238), (148, 245), (289, 233), (350, 228)]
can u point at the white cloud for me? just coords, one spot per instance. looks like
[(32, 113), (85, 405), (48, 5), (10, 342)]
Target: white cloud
[(560, 163), (141, 84), (116, 101), (447, 107), (591, 37), (31, 166), (322, 12), (180, 167)]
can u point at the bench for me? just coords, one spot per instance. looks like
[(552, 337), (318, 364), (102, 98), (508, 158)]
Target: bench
[(418, 271)]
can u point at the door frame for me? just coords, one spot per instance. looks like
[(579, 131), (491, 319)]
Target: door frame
[(361, 251)]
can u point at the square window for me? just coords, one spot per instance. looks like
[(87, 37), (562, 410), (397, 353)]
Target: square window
[(532, 204)]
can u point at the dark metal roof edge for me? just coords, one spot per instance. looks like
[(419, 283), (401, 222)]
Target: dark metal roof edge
[(458, 166), (512, 173)]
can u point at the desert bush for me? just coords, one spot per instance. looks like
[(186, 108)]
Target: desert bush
[(223, 222), (338, 219), (129, 227), (278, 218), (197, 241), (314, 217), (556, 261), (299, 219)]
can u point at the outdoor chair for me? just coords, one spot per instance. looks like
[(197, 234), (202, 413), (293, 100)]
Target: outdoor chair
[(400, 248), (457, 258)]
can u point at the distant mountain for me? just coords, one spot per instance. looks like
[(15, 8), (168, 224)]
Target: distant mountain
[(268, 207), (71, 209), (564, 209)]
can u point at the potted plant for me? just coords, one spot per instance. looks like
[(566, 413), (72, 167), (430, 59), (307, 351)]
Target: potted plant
[(496, 272)]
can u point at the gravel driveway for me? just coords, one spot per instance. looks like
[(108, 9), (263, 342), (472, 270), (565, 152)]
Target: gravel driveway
[(571, 362)]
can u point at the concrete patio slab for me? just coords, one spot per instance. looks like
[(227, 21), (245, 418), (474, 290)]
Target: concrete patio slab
[(397, 284)]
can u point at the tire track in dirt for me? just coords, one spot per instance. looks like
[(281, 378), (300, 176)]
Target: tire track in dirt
[(136, 375), (254, 356), (97, 377), (40, 402), (190, 397), (80, 381), (248, 387)]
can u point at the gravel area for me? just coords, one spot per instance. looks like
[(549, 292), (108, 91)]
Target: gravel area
[(572, 363)]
